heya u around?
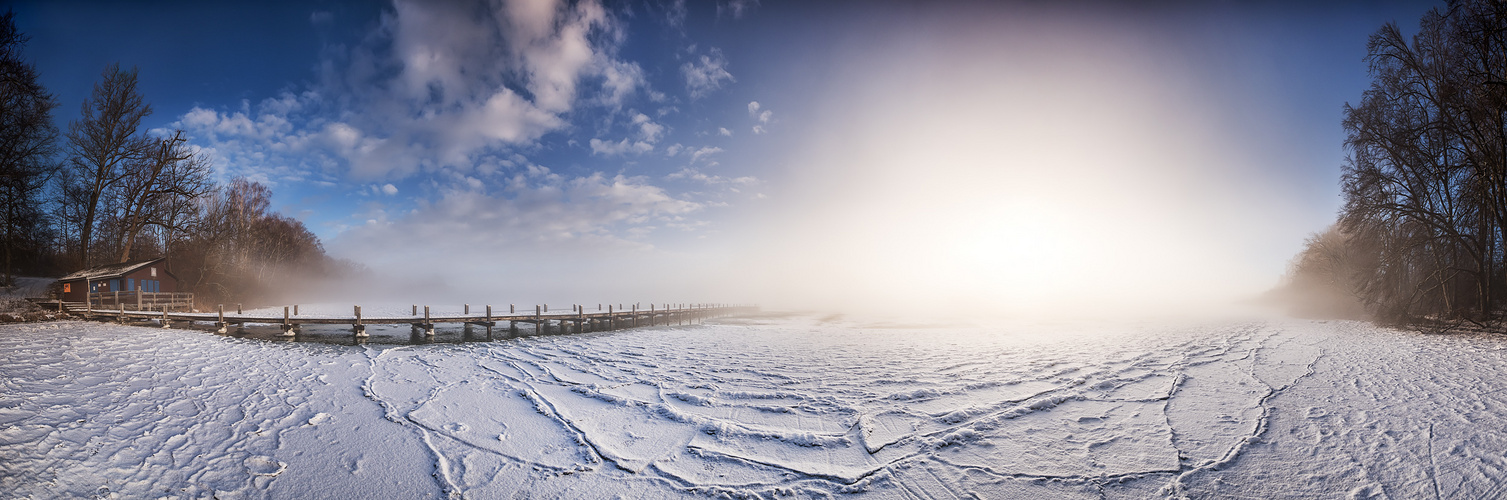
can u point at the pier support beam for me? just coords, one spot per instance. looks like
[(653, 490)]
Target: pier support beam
[(220, 326), (427, 326), (289, 329), (358, 329)]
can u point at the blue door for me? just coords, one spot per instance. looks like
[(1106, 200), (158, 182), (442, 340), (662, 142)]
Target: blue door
[(131, 284), (114, 285)]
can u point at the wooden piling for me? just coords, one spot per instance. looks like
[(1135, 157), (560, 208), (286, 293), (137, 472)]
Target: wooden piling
[(220, 326), (287, 325), (428, 326), (358, 329)]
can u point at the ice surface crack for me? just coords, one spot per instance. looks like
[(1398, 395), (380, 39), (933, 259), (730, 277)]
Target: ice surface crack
[(1177, 488)]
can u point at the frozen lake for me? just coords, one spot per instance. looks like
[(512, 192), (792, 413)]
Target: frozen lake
[(775, 406)]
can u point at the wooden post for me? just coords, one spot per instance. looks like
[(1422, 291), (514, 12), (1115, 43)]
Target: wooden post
[(428, 325), (546, 308), (121, 317), (220, 326), (510, 309), (489, 321), (359, 329), (287, 325), (633, 318), (468, 308), (415, 310), (164, 317), (138, 297), (611, 321), (238, 309), (651, 314), (295, 309), (539, 327)]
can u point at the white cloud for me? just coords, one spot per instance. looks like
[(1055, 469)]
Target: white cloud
[(536, 209), (267, 143), (690, 173), (736, 8), (763, 115), (389, 189), (675, 13), (704, 152), (706, 74), (723, 131), (650, 131), (436, 85), (607, 148)]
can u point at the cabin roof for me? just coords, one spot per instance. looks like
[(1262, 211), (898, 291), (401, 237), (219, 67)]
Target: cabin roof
[(108, 271)]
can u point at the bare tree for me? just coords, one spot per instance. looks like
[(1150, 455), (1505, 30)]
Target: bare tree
[(1424, 185), (101, 144), (28, 141), (154, 189)]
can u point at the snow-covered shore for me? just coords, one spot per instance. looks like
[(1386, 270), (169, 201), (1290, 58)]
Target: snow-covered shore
[(765, 407)]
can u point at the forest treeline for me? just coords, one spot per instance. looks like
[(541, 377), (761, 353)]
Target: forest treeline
[(106, 190), (1421, 232)]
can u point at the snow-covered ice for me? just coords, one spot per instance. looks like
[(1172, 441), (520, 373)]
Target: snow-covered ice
[(775, 406)]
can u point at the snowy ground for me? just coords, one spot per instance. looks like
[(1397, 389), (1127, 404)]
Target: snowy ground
[(797, 406), (13, 298), (26, 287)]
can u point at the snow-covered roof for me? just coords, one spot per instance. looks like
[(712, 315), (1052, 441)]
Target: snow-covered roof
[(109, 270)]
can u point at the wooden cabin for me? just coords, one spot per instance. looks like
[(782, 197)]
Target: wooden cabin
[(146, 275)]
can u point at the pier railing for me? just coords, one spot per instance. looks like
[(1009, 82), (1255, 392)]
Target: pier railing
[(137, 300), (541, 320)]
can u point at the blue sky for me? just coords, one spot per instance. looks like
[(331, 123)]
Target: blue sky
[(812, 152)]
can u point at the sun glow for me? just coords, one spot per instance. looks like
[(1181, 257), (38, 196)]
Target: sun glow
[(1069, 175)]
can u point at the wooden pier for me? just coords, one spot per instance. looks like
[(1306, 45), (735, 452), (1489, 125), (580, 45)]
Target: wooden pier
[(543, 322)]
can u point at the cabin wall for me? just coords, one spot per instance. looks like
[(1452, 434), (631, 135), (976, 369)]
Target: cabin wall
[(141, 279)]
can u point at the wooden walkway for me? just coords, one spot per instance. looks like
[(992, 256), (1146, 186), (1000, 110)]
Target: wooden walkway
[(543, 322)]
